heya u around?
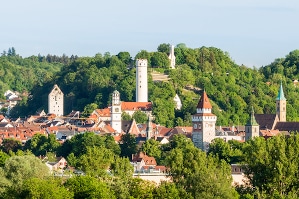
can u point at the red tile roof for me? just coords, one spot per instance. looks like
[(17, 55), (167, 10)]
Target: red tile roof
[(204, 101), (133, 106)]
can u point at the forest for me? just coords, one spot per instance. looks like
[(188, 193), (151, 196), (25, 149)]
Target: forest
[(88, 82)]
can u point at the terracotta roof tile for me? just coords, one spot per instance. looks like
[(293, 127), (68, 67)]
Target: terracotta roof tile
[(145, 106), (204, 101)]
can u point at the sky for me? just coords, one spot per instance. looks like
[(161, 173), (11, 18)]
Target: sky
[(253, 32)]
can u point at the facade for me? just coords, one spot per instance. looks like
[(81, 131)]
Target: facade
[(141, 81), (203, 122), (116, 112), (252, 128), (55, 101), (172, 57)]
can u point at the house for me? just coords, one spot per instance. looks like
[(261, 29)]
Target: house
[(58, 165)]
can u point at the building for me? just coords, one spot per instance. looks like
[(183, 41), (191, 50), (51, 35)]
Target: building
[(55, 101), (141, 81), (203, 122), (116, 112), (171, 57), (252, 128)]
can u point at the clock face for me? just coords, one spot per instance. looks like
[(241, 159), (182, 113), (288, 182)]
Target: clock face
[(116, 109)]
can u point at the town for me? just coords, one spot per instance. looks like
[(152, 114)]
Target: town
[(126, 137)]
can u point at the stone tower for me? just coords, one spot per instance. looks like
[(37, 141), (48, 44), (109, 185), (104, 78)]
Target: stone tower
[(172, 57), (203, 123), (149, 128), (116, 112), (55, 101), (141, 80), (252, 128), (281, 105)]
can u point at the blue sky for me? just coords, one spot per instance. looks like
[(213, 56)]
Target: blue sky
[(253, 32)]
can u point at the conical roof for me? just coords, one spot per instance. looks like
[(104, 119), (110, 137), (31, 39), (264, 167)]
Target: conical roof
[(252, 120), (204, 101), (281, 94)]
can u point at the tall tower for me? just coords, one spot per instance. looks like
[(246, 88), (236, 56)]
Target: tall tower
[(203, 123), (149, 128), (252, 128), (55, 101), (172, 57), (281, 105), (116, 112), (141, 80)]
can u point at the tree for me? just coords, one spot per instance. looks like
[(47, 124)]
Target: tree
[(43, 188), (152, 148), (164, 48), (122, 168), (17, 169), (89, 187), (96, 161), (124, 57), (3, 157), (159, 60), (140, 117), (11, 145), (40, 144), (125, 116), (200, 175), (128, 145), (272, 165), (166, 190), (88, 109)]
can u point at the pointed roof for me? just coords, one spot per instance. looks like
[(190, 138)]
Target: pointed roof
[(280, 93), (204, 101), (252, 121)]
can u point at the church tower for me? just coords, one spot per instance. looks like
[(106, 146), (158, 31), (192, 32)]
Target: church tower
[(252, 128), (281, 105), (149, 128), (203, 122), (171, 57), (141, 80), (116, 112), (55, 101)]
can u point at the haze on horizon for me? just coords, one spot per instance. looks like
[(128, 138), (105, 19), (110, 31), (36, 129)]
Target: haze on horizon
[(253, 32)]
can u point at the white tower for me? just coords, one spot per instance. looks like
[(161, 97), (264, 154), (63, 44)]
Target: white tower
[(172, 57), (55, 101), (141, 80), (116, 112), (203, 124)]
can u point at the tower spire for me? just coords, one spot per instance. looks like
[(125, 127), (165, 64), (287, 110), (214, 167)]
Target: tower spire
[(280, 95), (252, 120)]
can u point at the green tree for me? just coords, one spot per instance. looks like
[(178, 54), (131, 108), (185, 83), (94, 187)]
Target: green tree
[(166, 190), (3, 157), (89, 187), (128, 145), (271, 165), (152, 148), (11, 145), (200, 175), (47, 189), (88, 109), (122, 167), (17, 169), (160, 60), (125, 116), (96, 161), (139, 116), (164, 48)]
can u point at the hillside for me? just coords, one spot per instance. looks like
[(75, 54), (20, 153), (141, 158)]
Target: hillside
[(233, 89)]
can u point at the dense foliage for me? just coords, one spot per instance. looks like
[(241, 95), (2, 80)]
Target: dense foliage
[(87, 83)]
